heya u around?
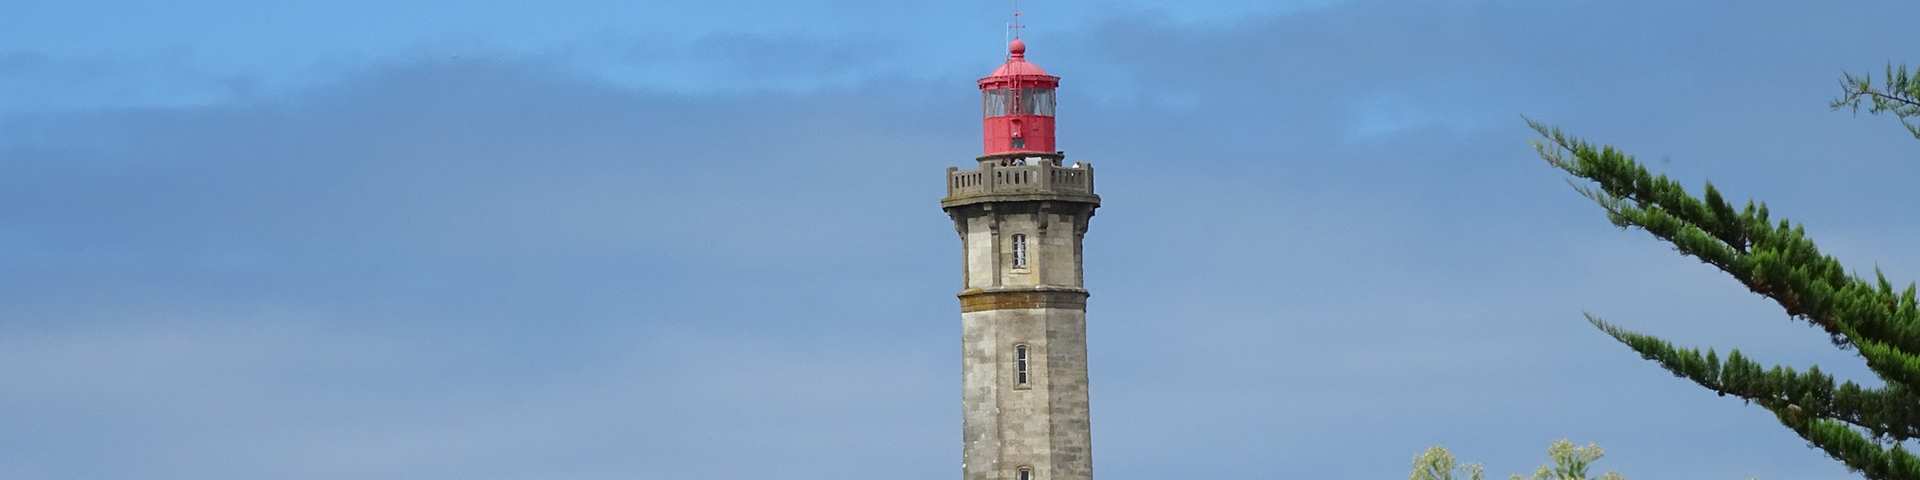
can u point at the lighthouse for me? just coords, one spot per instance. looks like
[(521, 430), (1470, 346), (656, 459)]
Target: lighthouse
[(1021, 214)]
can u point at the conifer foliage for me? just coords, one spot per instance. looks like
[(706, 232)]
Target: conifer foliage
[(1900, 96), (1859, 426)]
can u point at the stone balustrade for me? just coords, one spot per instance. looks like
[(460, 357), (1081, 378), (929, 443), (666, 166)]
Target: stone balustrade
[(1043, 178)]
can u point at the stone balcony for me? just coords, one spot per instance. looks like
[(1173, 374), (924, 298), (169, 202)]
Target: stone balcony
[(1014, 179)]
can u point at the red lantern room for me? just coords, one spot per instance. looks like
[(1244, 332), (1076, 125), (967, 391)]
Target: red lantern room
[(1017, 103)]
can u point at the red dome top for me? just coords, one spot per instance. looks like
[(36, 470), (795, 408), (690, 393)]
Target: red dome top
[(1017, 62)]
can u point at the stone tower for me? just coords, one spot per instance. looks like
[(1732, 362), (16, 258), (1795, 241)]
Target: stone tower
[(1023, 309)]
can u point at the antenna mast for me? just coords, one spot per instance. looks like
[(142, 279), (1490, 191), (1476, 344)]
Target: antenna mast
[(1016, 19)]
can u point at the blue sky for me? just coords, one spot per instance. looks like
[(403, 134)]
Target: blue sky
[(701, 240)]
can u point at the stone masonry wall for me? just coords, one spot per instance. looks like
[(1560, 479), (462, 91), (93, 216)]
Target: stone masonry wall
[(1043, 424)]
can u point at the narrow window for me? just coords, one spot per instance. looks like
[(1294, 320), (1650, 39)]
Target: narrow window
[(1026, 473), (1020, 364), (1019, 250)]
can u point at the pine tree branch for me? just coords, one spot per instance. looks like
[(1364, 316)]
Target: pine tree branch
[(1774, 260), (1901, 95), (1890, 413), (1856, 451)]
